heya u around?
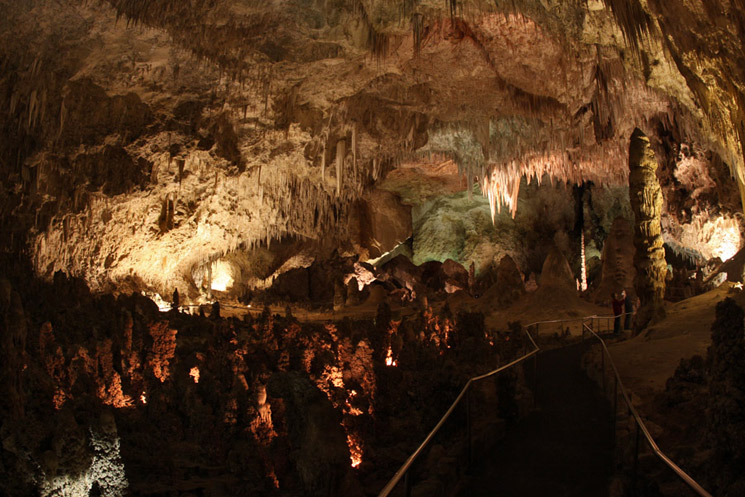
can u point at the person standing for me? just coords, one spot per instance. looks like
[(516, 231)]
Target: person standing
[(618, 302), (628, 308)]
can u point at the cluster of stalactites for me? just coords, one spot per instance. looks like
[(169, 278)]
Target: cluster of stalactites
[(500, 183)]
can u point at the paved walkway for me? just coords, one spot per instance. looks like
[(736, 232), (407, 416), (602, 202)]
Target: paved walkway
[(562, 449)]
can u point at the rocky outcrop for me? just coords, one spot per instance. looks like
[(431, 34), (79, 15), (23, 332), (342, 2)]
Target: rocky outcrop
[(646, 202)]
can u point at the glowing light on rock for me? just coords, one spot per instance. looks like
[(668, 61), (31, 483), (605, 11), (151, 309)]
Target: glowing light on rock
[(331, 375), (273, 476), (222, 276), (163, 306), (726, 242), (163, 349), (110, 392), (364, 276), (355, 449), (712, 236), (194, 373), (59, 398), (143, 398), (349, 408), (389, 360), (105, 470)]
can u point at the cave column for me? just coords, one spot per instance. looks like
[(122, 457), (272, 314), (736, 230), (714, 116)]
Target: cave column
[(646, 203)]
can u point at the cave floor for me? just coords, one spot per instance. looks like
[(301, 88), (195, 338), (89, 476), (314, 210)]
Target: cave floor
[(563, 448), (646, 361)]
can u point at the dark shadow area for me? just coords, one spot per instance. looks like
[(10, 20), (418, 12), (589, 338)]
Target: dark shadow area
[(563, 448)]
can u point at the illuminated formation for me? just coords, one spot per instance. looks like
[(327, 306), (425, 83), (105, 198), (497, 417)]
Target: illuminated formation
[(389, 361), (194, 373)]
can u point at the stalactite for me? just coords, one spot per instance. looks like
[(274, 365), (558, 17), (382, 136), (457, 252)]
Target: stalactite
[(341, 151), (452, 8), (634, 21), (417, 21)]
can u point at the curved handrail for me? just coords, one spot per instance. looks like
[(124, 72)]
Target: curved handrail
[(653, 445), (406, 465)]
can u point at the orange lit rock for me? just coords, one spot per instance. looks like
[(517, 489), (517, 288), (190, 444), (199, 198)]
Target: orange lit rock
[(194, 373), (164, 347), (108, 381)]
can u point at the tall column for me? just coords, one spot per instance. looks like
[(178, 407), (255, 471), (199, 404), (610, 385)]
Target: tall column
[(646, 202)]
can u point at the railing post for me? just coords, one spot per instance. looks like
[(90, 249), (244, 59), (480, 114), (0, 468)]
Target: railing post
[(615, 407), (602, 367), (469, 447), (535, 380), (407, 484), (636, 461)]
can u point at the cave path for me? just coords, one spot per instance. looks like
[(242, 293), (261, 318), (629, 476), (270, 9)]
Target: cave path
[(563, 448)]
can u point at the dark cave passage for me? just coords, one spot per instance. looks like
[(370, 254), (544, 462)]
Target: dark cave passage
[(563, 448)]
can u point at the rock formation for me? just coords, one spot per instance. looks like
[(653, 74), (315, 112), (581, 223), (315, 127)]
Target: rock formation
[(646, 202), (617, 270), (509, 286), (556, 272)]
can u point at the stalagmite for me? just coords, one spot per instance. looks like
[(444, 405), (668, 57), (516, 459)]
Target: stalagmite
[(646, 202)]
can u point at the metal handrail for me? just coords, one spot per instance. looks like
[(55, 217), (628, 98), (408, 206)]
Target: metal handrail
[(581, 320), (407, 465), (641, 426)]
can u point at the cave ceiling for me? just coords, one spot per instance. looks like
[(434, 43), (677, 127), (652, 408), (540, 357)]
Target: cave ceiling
[(142, 138)]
